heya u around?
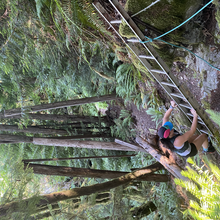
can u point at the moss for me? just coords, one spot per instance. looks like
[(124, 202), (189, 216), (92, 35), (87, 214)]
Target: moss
[(164, 16), (166, 54), (140, 66), (205, 104), (217, 14), (122, 53)]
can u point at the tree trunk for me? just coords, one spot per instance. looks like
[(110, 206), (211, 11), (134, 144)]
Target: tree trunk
[(86, 144), (77, 125), (173, 168), (8, 138), (71, 143), (73, 118), (16, 138), (76, 158), (86, 135), (76, 192), (91, 173), (44, 107), (33, 130)]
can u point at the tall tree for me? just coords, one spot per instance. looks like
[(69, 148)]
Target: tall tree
[(71, 143), (43, 107), (92, 173), (72, 118), (75, 158)]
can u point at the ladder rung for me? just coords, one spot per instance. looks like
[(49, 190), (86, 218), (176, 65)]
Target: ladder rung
[(116, 22), (177, 95), (185, 106), (158, 71), (133, 40), (204, 131), (191, 115), (147, 57), (201, 122), (168, 84)]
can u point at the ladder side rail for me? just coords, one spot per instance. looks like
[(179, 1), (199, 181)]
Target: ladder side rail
[(109, 23), (159, 80)]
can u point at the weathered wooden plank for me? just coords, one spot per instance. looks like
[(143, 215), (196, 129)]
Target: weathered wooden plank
[(173, 168)]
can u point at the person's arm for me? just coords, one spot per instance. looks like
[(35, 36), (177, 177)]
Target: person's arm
[(180, 140), (168, 112)]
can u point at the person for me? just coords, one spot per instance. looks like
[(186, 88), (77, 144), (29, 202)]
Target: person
[(187, 144)]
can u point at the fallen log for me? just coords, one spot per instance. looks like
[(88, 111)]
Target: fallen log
[(168, 164)]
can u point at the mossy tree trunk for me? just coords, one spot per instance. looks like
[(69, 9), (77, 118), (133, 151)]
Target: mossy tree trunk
[(33, 130), (56, 105), (73, 118), (76, 158), (91, 173)]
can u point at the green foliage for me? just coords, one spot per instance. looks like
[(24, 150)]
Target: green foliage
[(101, 105), (126, 81), (124, 126), (155, 115), (17, 184), (167, 201), (127, 77), (215, 116), (204, 185), (40, 53)]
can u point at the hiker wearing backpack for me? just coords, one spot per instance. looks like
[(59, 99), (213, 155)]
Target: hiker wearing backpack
[(187, 144)]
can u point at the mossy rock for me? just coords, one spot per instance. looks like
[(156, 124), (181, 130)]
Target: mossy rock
[(164, 15)]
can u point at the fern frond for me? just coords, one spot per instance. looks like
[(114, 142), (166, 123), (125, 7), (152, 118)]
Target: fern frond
[(205, 188)]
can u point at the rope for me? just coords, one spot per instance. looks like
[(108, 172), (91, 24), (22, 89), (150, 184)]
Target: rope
[(157, 38), (192, 53), (185, 21), (153, 3)]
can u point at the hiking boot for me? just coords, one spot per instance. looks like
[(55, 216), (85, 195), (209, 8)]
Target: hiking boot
[(211, 149)]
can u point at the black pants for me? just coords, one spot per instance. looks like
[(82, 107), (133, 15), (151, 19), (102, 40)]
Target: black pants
[(193, 152)]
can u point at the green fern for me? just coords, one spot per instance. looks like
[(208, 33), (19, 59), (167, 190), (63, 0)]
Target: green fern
[(124, 126), (205, 188)]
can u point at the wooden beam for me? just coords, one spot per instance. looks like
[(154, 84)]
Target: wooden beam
[(173, 168)]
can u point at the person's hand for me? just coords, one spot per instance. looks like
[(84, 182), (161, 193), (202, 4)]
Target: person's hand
[(193, 111), (173, 104)]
